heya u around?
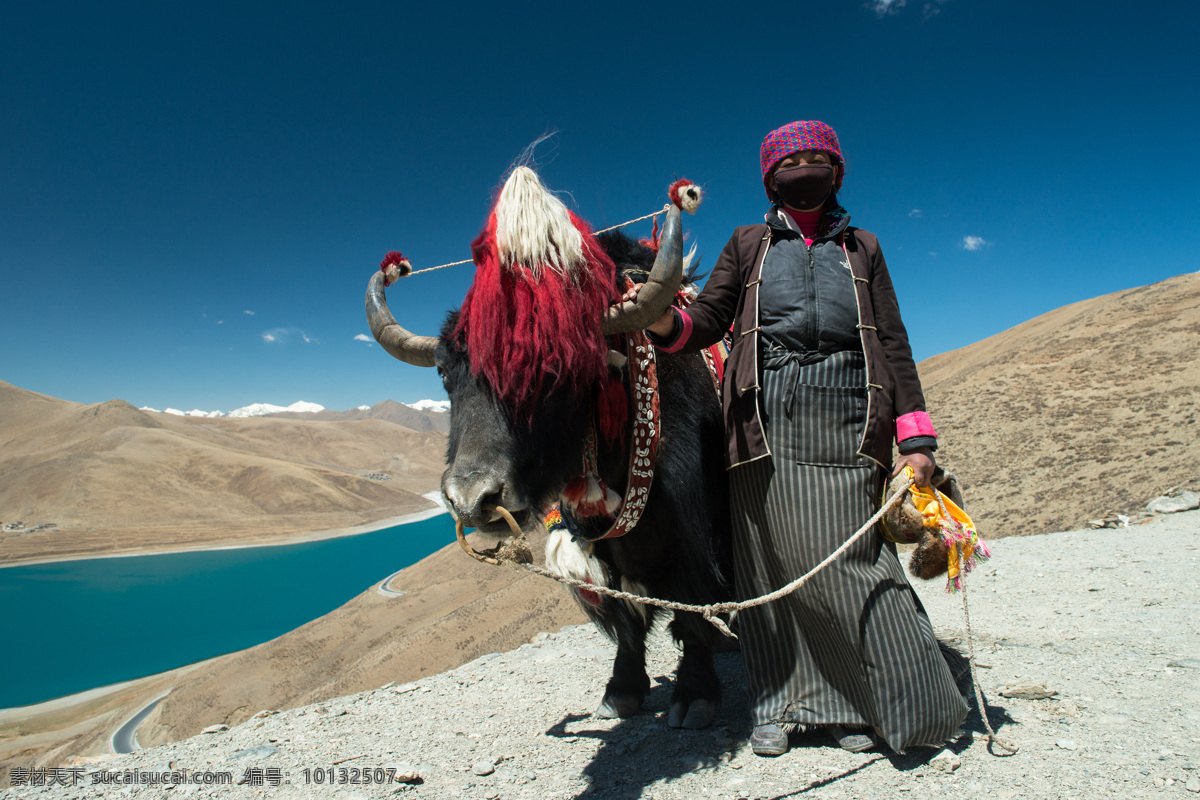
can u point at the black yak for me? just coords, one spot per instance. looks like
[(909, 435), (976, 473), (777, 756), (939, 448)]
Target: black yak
[(540, 402)]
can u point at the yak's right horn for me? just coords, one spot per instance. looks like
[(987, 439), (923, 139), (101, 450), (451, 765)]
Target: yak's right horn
[(406, 346), (657, 295)]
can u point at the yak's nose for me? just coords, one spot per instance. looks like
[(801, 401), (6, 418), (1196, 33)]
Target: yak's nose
[(469, 495)]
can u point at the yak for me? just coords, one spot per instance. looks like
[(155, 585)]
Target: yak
[(531, 362)]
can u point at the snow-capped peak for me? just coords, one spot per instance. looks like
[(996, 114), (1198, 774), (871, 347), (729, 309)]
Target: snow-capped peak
[(259, 409), (253, 410), (438, 406)]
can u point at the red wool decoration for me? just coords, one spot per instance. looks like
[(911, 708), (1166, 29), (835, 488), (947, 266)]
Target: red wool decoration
[(527, 336), (673, 192), (392, 257), (686, 195), (394, 266), (612, 410), (652, 243)]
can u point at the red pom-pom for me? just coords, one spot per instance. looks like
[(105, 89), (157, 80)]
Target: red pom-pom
[(686, 195), (394, 266)]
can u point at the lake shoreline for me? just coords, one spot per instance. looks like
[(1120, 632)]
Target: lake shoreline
[(290, 539)]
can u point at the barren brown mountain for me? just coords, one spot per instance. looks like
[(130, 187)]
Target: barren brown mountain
[(1089, 409), (115, 479), (1084, 410), (388, 410)]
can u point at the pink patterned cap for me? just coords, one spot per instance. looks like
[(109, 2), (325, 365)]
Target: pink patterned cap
[(803, 135)]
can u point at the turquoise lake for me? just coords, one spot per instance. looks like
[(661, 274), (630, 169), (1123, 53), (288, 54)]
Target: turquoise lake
[(77, 625)]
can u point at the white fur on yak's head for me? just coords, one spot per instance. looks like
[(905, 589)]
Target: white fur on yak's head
[(534, 229)]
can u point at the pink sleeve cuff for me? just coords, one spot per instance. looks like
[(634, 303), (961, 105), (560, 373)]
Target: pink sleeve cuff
[(685, 333), (913, 424)]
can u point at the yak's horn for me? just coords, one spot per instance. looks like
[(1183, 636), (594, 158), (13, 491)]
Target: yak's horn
[(408, 347), (656, 296)]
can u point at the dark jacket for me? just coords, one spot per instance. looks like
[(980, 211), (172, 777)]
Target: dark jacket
[(730, 297)]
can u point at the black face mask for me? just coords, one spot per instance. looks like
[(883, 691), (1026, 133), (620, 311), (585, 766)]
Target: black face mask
[(804, 187)]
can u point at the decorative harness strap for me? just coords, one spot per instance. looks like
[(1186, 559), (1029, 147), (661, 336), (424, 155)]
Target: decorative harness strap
[(587, 497), (647, 427), (643, 378)]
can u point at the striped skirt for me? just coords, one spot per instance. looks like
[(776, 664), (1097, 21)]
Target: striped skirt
[(853, 646)]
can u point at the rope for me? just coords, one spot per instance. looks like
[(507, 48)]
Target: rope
[(596, 233), (630, 222), (709, 612), (1008, 744), (442, 266)]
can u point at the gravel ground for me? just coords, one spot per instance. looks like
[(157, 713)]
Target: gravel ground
[(1106, 620)]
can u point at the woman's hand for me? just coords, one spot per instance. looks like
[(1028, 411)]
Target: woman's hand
[(665, 324), (921, 460)]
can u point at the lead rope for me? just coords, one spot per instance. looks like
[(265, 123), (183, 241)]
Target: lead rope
[(1008, 744), (516, 551)]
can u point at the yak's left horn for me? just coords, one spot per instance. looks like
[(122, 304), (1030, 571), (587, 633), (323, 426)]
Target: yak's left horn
[(406, 346), (656, 296)]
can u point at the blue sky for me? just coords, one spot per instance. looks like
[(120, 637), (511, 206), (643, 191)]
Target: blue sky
[(192, 197)]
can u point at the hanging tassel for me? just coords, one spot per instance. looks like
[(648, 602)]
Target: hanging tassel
[(964, 550), (567, 557), (588, 496), (652, 242)]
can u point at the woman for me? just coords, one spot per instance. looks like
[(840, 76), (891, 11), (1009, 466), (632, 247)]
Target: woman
[(819, 381)]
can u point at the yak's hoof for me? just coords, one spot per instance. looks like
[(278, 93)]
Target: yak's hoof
[(694, 716), (614, 706)]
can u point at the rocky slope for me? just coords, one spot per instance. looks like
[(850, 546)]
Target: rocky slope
[(1102, 624), (1089, 409)]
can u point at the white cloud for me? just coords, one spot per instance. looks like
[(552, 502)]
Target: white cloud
[(915, 213), (220, 322), (248, 313), (361, 337), (975, 243), (285, 335), (884, 7), (933, 7)]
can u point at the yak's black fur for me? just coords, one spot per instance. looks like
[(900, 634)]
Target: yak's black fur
[(681, 548)]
